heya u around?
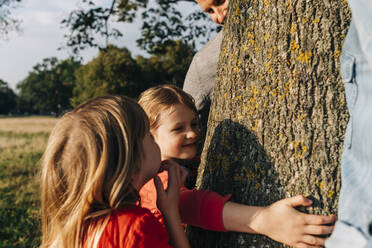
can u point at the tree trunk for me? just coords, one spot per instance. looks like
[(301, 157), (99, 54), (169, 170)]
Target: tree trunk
[(278, 115)]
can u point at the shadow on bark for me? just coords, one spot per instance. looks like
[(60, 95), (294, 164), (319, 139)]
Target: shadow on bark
[(236, 163)]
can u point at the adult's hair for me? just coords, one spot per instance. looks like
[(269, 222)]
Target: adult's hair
[(87, 169), (159, 98)]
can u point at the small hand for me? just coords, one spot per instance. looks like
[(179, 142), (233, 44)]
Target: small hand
[(167, 200), (282, 222)]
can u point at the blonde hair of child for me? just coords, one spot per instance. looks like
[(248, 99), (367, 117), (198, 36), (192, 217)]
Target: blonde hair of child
[(160, 98), (87, 168)]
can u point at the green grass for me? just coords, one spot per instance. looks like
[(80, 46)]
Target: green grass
[(20, 153)]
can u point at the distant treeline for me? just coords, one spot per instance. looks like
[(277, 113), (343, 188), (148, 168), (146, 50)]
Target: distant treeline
[(55, 86)]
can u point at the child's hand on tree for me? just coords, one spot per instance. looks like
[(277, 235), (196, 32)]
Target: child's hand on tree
[(282, 222)]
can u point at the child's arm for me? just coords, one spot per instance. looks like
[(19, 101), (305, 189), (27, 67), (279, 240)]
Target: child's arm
[(280, 221), (167, 202)]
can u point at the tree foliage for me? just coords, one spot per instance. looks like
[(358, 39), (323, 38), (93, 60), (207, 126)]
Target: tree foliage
[(7, 22), (169, 66), (7, 98), (48, 88), (162, 22), (115, 71)]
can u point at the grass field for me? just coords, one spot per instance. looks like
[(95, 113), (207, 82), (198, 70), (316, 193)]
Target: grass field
[(22, 141)]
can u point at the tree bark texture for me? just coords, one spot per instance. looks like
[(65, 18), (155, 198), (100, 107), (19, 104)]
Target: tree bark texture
[(278, 115)]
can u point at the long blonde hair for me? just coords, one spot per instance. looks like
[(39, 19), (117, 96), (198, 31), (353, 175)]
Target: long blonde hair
[(160, 98), (87, 168)]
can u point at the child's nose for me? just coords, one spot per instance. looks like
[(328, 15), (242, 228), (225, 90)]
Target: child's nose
[(191, 134)]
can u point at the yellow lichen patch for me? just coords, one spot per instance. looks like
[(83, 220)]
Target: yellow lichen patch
[(321, 185), (330, 193), (293, 28), (270, 55), (337, 54), (316, 20), (304, 20), (237, 10), (257, 186), (274, 92), (305, 57), (268, 68), (267, 37), (288, 4), (250, 38), (299, 147), (254, 128), (294, 72), (267, 2), (294, 46)]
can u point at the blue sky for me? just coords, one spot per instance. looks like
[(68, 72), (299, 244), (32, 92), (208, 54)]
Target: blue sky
[(42, 34)]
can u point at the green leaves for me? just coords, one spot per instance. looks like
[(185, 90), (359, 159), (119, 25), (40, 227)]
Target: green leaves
[(7, 98), (48, 88), (162, 21)]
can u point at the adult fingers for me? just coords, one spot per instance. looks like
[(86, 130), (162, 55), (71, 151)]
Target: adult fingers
[(312, 240), (318, 229), (319, 219), (303, 245)]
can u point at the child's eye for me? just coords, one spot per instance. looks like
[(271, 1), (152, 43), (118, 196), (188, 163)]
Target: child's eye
[(177, 129), (209, 11)]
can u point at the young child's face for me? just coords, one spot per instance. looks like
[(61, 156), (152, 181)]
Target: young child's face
[(178, 133), (150, 163), (217, 9)]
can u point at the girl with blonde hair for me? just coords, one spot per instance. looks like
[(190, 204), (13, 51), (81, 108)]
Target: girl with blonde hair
[(174, 123), (98, 157)]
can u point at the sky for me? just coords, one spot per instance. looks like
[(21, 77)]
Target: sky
[(41, 35)]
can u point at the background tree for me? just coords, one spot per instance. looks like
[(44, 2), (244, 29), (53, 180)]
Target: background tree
[(7, 98), (7, 22), (278, 114), (162, 22), (48, 88), (114, 71), (168, 66)]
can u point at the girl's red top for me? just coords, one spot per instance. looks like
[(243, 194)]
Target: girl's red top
[(133, 227)]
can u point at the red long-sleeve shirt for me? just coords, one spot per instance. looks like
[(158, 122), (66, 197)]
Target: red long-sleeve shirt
[(200, 208)]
